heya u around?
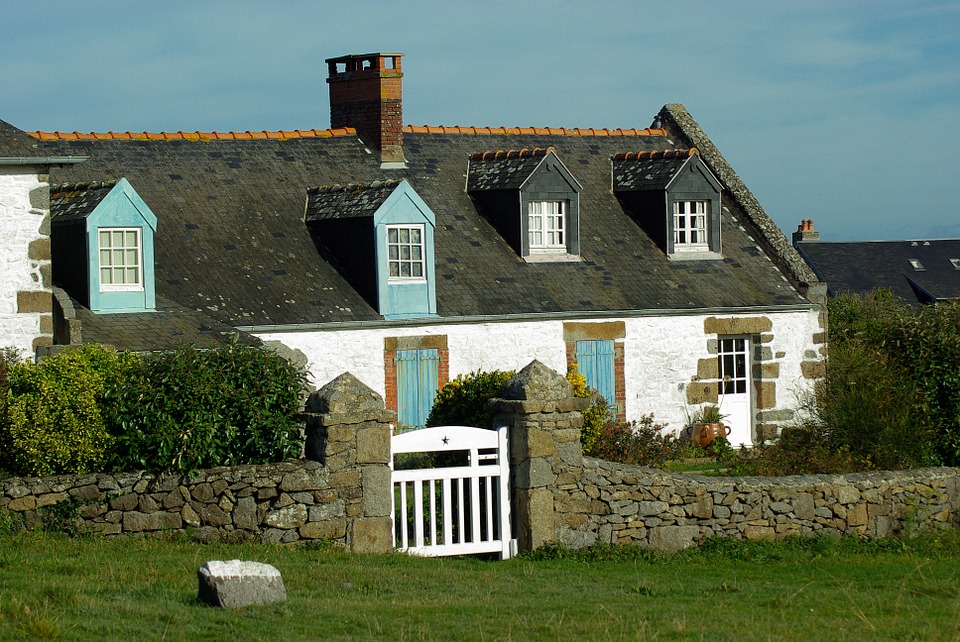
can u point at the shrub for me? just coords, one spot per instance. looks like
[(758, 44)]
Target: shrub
[(639, 442), (463, 401), (188, 409), (596, 416), (869, 407), (53, 420)]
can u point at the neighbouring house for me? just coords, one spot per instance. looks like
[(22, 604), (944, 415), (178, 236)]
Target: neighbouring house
[(409, 255), (26, 296), (916, 271)]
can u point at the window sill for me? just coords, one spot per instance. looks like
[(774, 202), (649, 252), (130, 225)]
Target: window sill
[(552, 257), (698, 255)]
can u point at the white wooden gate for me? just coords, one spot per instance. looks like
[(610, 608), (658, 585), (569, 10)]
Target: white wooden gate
[(454, 510)]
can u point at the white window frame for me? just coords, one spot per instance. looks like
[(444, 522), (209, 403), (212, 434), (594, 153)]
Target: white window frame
[(693, 222), (123, 249), (399, 260), (547, 226)]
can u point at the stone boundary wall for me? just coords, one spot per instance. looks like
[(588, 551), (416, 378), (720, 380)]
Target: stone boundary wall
[(559, 495), (620, 504), (340, 493)]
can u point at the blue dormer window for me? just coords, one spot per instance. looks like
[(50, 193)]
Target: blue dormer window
[(120, 259), (381, 234), (405, 253), (102, 244)]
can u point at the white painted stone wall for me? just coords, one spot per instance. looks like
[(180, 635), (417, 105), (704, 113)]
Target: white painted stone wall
[(20, 224), (660, 354)]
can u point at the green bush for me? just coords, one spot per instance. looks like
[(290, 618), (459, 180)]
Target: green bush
[(869, 407), (188, 409), (596, 416), (52, 419), (641, 442), (917, 352), (463, 401)]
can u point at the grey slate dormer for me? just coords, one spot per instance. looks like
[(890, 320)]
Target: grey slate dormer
[(674, 197), (532, 200)]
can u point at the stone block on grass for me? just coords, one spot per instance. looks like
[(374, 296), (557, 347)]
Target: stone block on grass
[(237, 583)]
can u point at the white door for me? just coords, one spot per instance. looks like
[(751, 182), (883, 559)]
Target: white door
[(733, 355)]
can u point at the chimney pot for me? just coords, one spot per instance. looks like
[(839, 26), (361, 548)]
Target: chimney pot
[(805, 232), (366, 94)]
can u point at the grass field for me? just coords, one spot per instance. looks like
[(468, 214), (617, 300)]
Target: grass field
[(53, 587)]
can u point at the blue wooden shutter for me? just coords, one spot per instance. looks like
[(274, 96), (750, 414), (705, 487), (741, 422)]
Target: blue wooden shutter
[(595, 363), (417, 377)]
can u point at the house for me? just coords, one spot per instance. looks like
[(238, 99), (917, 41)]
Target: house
[(26, 297), (408, 255), (916, 271)]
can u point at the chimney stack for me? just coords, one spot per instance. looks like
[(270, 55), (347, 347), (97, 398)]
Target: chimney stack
[(366, 93), (805, 232)]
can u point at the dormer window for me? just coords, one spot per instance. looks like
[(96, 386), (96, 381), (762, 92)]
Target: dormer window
[(381, 235), (532, 200), (102, 244), (674, 197), (405, 252), (547, 225), (120, 259), (690, 226)]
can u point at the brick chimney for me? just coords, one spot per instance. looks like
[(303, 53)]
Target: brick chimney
[(805, 232), (366, 93)]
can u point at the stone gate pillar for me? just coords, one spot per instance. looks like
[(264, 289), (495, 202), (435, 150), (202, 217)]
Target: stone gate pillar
[(545, 454), (348, 431)]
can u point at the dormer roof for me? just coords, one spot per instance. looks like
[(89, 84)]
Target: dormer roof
[(75, 201), (509, 169), (356, 200), (653, 170)]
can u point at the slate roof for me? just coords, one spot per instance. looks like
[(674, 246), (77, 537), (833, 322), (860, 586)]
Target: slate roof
[(857, 267), (16, 143), (501, 169), (170, 326), (639, 171), (347, 201), (231, 239), (75, 201)]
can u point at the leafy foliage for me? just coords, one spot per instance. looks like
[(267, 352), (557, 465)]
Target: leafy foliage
[(91, 409), (596, 416), (641, 442), (188, 409), (463, 401), (895, 371), (52, 420)]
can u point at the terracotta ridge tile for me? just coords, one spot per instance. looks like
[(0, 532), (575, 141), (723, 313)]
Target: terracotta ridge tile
[(656, 154), (550, 131), (197, 135), (512, 153)]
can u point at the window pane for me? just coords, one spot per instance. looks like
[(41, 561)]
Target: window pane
[(392, 235), (131, 275), (105, 239), (417, 269), (415, 236), (131, 238), (116, 239), (404, 235), (105, 275)]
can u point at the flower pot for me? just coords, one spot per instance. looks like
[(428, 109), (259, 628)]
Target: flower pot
[(703, 434)]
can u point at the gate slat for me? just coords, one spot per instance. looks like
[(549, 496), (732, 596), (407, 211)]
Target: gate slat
[(477, 519)]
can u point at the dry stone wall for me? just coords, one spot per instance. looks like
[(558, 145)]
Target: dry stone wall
[(620, 504), (340, 493)]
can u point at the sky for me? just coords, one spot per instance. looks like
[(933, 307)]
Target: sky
[(844, 112)]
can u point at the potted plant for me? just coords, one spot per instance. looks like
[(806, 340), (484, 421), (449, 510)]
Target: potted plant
[(707, 425)]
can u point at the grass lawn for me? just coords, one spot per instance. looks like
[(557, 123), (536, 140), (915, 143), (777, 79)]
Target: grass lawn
[(52, 587)]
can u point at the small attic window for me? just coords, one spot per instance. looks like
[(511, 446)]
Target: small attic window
[(955, 263), (916, 265), (547, 226)]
